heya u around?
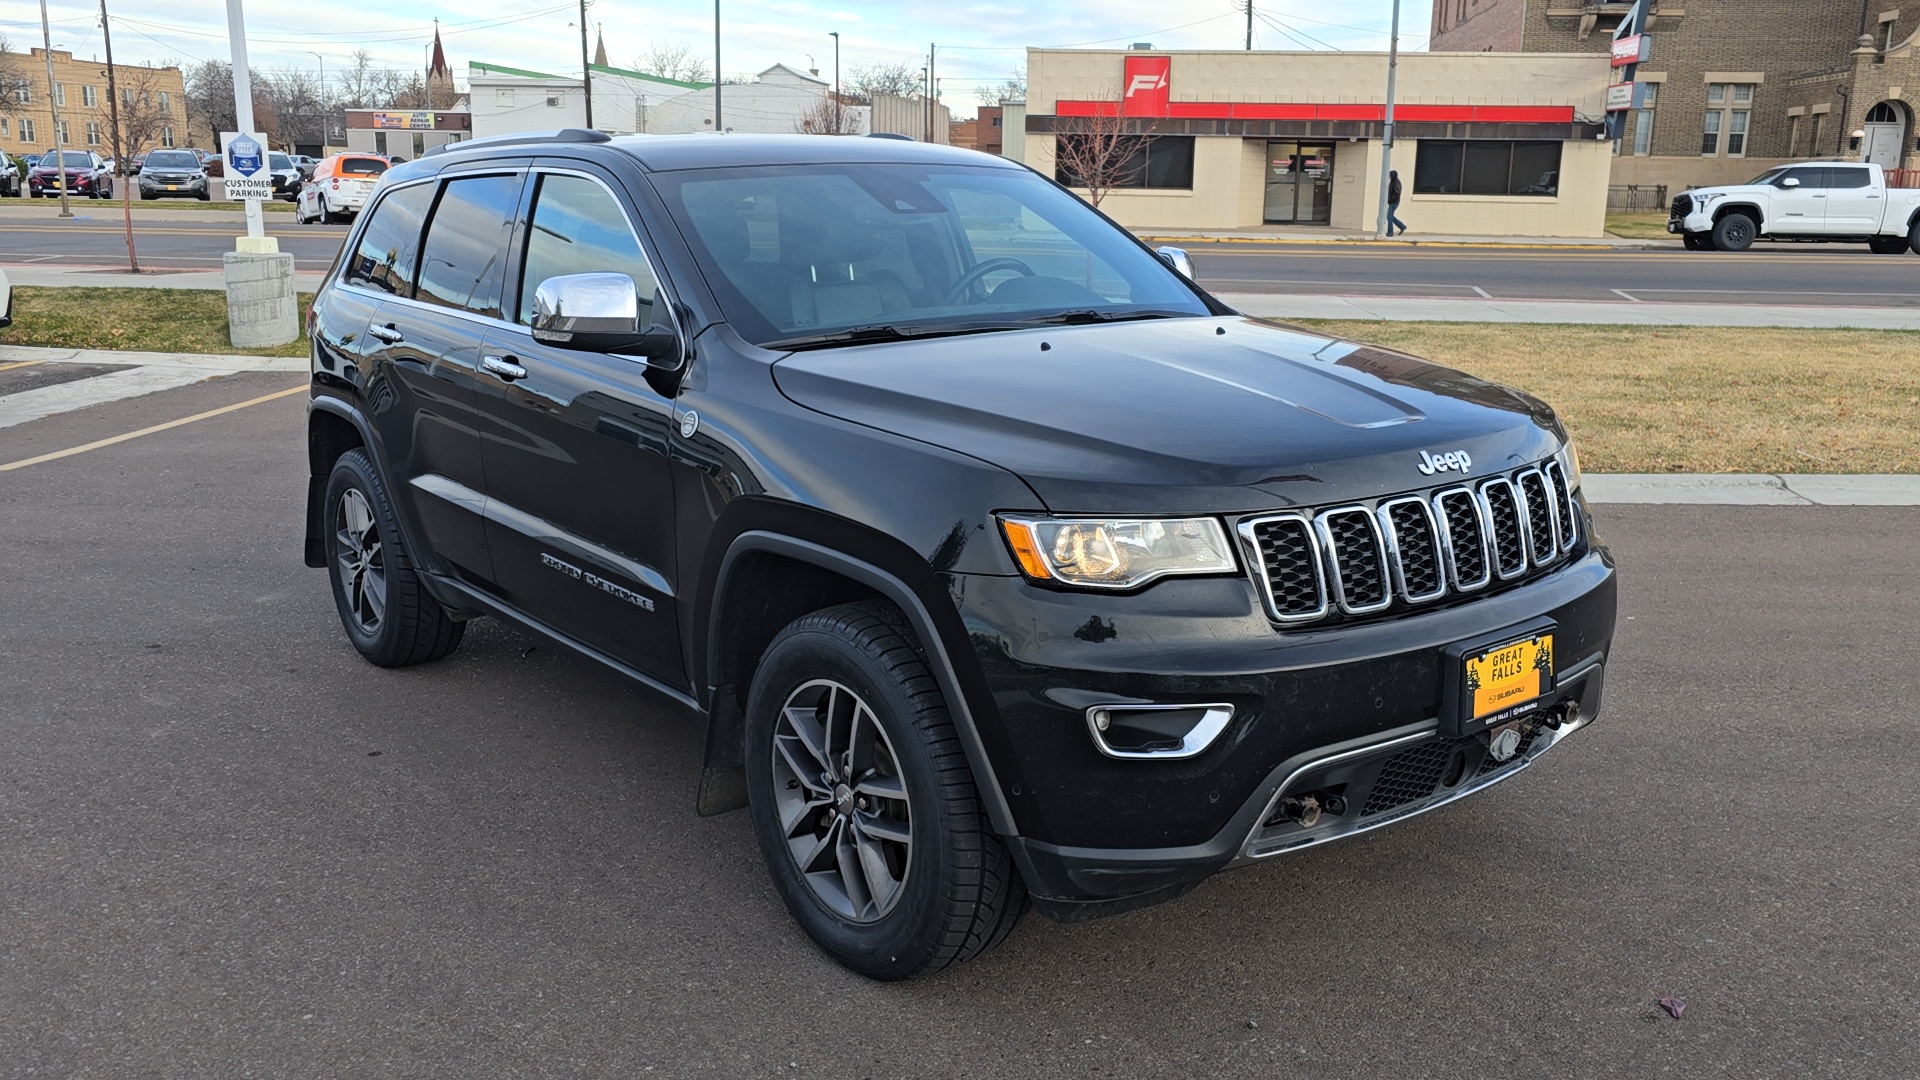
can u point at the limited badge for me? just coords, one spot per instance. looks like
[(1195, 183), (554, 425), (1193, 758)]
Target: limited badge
[(689, 423)]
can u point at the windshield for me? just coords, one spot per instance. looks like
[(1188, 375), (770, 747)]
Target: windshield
[(279, 162), (798, 254), (75, 159), (362, 166), (1767, 177), (171, 159)]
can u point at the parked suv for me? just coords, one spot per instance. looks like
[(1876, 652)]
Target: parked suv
[(87, 173), (1001, 562), (172, 172)]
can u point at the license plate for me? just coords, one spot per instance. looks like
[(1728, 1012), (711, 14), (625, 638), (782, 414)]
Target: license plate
[(1504, 680), (173, 187)]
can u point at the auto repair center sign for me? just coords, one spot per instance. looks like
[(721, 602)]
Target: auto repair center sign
[(1144, 91), (245, 161)]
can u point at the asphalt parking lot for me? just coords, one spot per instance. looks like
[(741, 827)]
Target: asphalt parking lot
[(228, 847)]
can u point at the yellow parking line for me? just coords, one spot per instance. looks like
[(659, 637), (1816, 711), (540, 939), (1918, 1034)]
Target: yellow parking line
[(20, 364), (70, 451)]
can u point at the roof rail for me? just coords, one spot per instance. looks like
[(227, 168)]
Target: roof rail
[(891, 135), (564, 135)]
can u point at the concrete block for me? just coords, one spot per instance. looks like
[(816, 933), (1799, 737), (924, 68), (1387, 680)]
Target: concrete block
[(262, 304)]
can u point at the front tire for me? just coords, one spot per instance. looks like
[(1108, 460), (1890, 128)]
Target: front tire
[(384, 606), (1735, 232), (1697, 242), (863, 802)]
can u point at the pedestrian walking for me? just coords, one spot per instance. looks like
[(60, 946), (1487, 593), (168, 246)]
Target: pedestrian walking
[(1393, 203)]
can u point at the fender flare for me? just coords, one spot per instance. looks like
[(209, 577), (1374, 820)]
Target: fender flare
[(992, 799)]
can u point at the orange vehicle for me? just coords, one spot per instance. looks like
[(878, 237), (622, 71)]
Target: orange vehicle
[(340, 186)]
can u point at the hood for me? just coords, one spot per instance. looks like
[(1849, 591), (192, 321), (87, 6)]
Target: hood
[(1201, 415)]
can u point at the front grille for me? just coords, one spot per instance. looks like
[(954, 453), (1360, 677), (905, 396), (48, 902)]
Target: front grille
[(1409, 775), (1358, 560), (1682, 205)]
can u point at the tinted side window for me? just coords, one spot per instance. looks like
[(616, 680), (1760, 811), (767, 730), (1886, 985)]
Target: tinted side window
[(462, 264), (384, 260), (1808, 177), (578, 228), (1849, 178)]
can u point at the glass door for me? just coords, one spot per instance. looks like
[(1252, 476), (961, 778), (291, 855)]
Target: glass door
[(1299, 183)]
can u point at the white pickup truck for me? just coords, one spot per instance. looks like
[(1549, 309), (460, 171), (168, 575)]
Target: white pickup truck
[(1845, 201)]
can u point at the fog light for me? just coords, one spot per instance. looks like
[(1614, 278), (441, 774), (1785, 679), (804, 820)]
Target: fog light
[(1163, 732)]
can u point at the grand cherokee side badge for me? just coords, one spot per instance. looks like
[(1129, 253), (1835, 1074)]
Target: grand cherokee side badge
[(1433, 463)]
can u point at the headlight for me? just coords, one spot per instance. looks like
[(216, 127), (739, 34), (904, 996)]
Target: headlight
[(1570, 463), (1117, 553), (1702, 200)]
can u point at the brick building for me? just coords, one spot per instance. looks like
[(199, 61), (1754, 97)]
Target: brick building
[(1738, 85), (153, 104)]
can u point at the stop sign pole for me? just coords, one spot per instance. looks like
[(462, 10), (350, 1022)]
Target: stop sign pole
[(256, 241)]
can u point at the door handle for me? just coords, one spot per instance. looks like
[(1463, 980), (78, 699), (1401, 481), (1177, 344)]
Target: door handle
[(500, 366), (387, 334)]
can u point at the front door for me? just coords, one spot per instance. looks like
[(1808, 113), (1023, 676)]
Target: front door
[(1299, 183), (1800, 210), (580, 498)]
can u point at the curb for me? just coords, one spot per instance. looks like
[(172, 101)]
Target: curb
[(1637, 245)]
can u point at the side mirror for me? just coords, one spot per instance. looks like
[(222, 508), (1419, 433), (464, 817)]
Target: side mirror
[(1790, 182), (1178, 259), (600, 312)]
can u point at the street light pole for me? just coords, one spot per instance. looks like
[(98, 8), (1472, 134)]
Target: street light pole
[(326, 121), (717, 80), (1386, 129), (53, 107), (835, 34)]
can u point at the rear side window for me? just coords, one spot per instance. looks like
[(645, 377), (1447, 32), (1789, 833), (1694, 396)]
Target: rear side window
[(466, 247), (384, 260), (1842, 177), (578, 228)]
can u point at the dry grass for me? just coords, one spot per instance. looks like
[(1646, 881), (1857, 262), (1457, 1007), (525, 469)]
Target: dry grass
[(1648, 226), (1698, 399), (153, 320)]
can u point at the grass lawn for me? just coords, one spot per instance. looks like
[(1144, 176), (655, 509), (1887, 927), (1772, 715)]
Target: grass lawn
[(271, 206), (151, 320), (1697, 399), (1647, 226)]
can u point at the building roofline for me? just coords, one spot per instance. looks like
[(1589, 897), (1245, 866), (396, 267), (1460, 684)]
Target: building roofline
[(628, 73), (502, 69)]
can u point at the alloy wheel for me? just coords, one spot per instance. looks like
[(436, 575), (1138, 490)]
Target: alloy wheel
[(841, 800), (363, 570)]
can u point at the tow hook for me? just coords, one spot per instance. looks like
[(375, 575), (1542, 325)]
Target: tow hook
[(1504, 741), (1305, 810)]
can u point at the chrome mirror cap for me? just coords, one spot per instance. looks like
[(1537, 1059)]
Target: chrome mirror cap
[(598, 303), (1178, 259)]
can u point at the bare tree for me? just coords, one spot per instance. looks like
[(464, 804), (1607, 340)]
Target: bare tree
[(1101, 152), (298, 103), (829, 117), (13, 73), (675, 60), (901, 79), (1013, 88)]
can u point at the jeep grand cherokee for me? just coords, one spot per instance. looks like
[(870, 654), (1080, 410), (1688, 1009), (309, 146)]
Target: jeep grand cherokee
[(1002, 563)]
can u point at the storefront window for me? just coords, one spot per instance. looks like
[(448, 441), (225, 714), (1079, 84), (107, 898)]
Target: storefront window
[(1486, 167), (1154, 161)]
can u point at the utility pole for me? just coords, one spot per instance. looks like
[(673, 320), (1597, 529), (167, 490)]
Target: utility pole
[(122, 148), (933, 108), (586, 73), (1249, 25), (835, 34), (326, 117), (53, 107), (717, 80), (257, 239), (1386, 129)]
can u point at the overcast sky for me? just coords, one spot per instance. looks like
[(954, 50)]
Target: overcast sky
[(979, 43)]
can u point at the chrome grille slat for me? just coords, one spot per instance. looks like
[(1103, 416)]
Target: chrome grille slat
[(1413, 549), (1355, 558), (1406, 550)]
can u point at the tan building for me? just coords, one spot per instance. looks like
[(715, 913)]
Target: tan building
[(1737, 86), (153, 104), (1486, 143)]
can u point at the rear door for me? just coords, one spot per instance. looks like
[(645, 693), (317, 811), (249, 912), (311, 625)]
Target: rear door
[(1854, 204), (425, 347), (1801, 210), (580, 498)]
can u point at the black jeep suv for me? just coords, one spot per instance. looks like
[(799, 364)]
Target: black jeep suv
[(1002, 563)]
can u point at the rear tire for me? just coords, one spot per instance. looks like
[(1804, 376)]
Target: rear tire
[(1697, 242), (1735, 232), (386, 609), (863, 803)]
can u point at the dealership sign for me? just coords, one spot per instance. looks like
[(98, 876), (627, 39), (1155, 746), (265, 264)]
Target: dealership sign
[(247, 176), (1632, 49), (1144, 82), (1625, 95)]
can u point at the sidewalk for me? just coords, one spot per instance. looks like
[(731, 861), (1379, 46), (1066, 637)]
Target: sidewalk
[(1295, 234), (1602, 312), (116, 277), (140, 373)]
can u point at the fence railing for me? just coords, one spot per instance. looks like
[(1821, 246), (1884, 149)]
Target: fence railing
[(1903, 178), (1628, 198)]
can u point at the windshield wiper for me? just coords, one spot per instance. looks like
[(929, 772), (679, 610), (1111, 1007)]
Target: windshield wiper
[(1095, 315), (861, 335)]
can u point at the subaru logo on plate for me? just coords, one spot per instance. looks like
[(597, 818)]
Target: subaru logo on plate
[(1456, 460)]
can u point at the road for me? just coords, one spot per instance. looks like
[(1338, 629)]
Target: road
[(229, 847), (1770, 274)]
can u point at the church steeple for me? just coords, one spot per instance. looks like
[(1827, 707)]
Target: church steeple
[(600, 45)]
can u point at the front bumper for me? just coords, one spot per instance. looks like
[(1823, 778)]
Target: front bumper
[(1330, 708), (180, 187), (1696, 222)]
